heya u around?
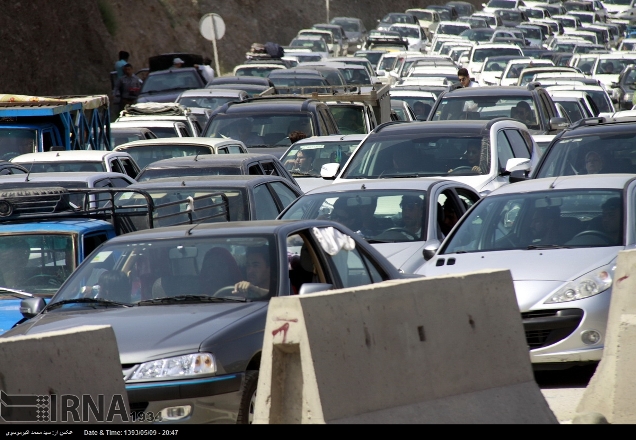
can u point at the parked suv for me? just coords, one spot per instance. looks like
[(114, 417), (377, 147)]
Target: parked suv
[(486, 103), (264, 124)]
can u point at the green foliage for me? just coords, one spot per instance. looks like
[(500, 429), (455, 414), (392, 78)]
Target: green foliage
[(108, 16)]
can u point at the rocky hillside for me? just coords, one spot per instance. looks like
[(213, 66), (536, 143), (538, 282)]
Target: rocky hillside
[(69, 46)]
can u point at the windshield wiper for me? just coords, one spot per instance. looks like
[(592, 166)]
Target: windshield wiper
[(190, 298), (392, 176), (374, 241), (547, 246), (299, 174), (265, 146), (95, 301), (15, 292)]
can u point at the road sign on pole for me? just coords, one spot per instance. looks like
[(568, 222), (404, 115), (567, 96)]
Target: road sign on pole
[(212, 27)]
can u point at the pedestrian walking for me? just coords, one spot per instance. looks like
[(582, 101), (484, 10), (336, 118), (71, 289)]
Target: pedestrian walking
[(127, 88)]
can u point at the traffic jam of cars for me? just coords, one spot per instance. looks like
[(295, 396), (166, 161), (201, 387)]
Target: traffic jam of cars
[(445, 140)]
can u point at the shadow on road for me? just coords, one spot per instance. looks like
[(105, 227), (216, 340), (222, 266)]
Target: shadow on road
[(575, 377)]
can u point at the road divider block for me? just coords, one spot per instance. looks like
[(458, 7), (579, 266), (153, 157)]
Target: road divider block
[(445, 349), (612, 390), (72, 375)]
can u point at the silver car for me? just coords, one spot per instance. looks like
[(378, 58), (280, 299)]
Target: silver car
[(560, 239), (399, 217)]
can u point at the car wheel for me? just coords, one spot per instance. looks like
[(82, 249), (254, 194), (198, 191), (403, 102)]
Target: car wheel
[(248, 399)]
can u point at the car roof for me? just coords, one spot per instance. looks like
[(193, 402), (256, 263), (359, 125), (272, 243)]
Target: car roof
[(138, 122), (68, 156), (490, 91), (255, 80), (213, 92), (591, 181), (80, 176), (331, 138), (271, 105), (420, 183), (207, 160), (239, 181), (421, 127), (204, 141)]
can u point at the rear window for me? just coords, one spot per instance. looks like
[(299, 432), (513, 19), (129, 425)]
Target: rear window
[(158, 173)]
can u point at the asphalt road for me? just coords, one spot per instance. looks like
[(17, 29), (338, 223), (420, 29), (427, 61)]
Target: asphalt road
[(563, 389)]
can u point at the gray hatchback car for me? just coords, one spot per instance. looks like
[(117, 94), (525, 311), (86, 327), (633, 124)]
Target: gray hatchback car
[(560, 238)]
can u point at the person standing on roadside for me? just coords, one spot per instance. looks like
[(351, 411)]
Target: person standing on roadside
[(119, 64), (127, 88), (464, 78), (207, 72)]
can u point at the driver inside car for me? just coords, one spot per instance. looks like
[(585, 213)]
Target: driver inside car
[(412, 216), (609, 223), (257, 273), (471, 157)]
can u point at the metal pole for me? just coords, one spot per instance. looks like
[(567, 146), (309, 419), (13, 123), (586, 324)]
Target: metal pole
[(327, 11), (216, 55)]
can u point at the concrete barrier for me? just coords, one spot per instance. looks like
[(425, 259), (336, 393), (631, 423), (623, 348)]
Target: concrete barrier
[(612, 390), (432, 350), (73, 375)]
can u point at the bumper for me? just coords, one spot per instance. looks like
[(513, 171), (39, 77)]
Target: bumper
[(555, 334), (211, 400)]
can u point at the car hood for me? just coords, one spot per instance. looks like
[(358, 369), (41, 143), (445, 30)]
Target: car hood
[(170, 96), (607, 79), (152, 332), (478, 182), (406, 256), (491, 77), (535, 273), (559, 265), (309, 183)]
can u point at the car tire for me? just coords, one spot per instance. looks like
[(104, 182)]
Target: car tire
[(246, 408)]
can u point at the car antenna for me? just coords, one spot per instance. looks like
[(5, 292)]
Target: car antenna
[(196, 158), (552, 185), (26, 179)]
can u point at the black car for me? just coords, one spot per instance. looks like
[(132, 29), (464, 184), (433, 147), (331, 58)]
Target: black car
[(623, 90), (591, 146), (464, 9), (354, 29), (120, 136), (188, 305), (216, 165), (167, 85), (248, 197), (264, 124), (446, 12), (487, 103)]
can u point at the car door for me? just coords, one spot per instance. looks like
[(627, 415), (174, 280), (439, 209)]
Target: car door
[(263, 206), (284, 193)]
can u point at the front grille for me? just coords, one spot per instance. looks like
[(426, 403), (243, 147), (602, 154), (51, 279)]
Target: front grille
[(547, 327)]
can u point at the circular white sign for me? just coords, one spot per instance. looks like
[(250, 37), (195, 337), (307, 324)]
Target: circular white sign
[(209, 22)]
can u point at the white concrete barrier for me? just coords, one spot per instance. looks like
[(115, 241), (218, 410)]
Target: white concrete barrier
[(612, 390), (73, 375), (432, 350)]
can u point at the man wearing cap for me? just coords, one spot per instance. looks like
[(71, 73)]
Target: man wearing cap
[(177, 63)]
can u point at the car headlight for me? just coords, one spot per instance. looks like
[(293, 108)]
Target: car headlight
[(588, 285), (174, 367)]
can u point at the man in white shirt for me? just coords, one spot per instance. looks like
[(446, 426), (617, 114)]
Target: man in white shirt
[(464, 78)]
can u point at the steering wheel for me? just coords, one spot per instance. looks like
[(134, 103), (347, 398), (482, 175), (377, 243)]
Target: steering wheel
[(224, 291), (459, 169), (409, 235), (50, 279), (594, 233)]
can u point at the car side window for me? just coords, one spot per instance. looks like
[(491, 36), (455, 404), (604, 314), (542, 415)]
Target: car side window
[(264, 203), (468, 198), (129, 167), (269, 168), (104, 183), (115, 166), (92, 241), (235, 149), (519, 146), (183, 131), (350, 268), (504, 150), (119, 182), (255, 170), (285, 194), (222, 151)]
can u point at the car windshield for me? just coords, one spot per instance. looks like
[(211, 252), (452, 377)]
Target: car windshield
[(206, 101), (158, 173), (387, 63), (420, 155), (36, 263), (541, 220), (601, 99), (170, 81), (171, 205), (174, 271), (260, 71), (618, 2), (585, 18), (267, 129), (495, 65), (373, 57), (628, 46), (348, 25), (317, 154), (61, 167), (350, 120), (534, 13), (325, 36), (509, 15), (378, 215), (314, 45), (422, 15), (516, 68), (533, 33), (15, 142), (479, 55), (486, 108), (591, 154), (450, 29), (502, 4), (146, 154), (480, 35), (613, 66)]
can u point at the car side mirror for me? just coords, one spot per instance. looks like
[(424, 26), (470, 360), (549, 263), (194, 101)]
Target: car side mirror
[(498, 76), (517, 164), (483, 5), (464, 60), (30, 307), (517, 176), (430, 249), (329, 171), (557, 123), (614, 85), (308, 288)]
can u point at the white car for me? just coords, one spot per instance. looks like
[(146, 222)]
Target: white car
[(493, 5), (609, 66), (148, 151), (511, 72), (428, 18), (451, 28), (210, 98), (147, 112), (334, 48), (79, 161), (480, 52), (412, 33), (597, 93)]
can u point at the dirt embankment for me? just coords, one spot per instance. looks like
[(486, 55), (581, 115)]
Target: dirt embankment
[(69, 46)]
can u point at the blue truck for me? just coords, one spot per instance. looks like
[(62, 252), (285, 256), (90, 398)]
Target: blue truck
[(45, 233), (30, 124)]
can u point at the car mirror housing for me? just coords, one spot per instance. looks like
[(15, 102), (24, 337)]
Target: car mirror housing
[(517, 176), (329, 171), (430, 249), (308, 288), (557, 123), (31, 306), (517, 164)]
